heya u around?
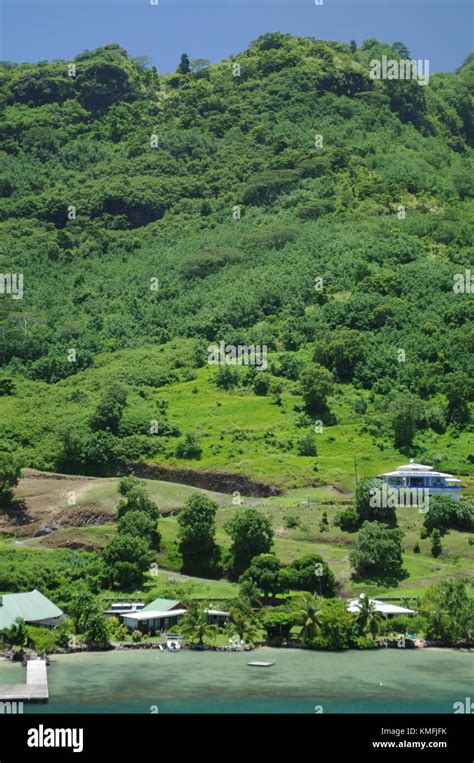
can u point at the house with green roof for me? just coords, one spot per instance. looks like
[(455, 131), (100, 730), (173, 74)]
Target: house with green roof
[(163, 605), (32, 607)]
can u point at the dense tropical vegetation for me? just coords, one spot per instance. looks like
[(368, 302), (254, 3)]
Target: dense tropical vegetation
[(281, 199)]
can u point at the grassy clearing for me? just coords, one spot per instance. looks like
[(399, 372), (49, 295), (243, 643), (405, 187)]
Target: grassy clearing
[(247, 434)]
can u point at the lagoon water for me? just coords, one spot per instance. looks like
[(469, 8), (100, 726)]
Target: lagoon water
[(377, 681)]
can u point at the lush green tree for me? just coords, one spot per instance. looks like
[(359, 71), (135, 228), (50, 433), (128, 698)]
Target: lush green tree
[(251, 533), (458, 390), (379, 552), (277, 622), (105, 78), (372, 502), (335, 626), (444, 514), (108, 414), (261, 384), (310, 573), (401, 49), (227, 377), (195, 624), (16, 634), (249, 592), (137, 499), (243, 624), (341, 352), (367, 619), (196, 533), (96, 631), (82, 608), (10, 473), (184, 66), (265, 572), (449, 610), (65, 633), (436, 547), (88, 620), (117, 630), (138, 523), (127, 558), (128, 484), (307, 614), (316, 384), (406, 412)]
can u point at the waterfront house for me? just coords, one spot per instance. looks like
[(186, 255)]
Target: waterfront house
[(152, 620), (384, 607), (158, 615), (413, 477), (32, 607), (163, 614)]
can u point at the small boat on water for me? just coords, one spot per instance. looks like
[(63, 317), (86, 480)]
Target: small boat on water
[(258, 664)]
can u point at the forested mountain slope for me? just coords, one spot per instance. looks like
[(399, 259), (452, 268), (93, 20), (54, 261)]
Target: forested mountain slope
[(279, 198)]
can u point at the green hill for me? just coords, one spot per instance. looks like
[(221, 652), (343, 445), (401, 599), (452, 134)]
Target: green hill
[(281, 198)]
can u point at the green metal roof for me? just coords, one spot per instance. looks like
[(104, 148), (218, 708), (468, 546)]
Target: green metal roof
[(160, 605), (32, 606)]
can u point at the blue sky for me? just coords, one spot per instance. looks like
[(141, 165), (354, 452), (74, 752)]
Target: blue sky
[(439, 30)]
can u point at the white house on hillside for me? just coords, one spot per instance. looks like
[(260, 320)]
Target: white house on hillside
[(419, 476)]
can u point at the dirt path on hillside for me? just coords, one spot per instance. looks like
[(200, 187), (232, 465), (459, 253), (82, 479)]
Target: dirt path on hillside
[(47, 502)]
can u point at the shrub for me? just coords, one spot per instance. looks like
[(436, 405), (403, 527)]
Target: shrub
[(291, 521), (189, 447), (348, 520), (445, 514), (307, 445)]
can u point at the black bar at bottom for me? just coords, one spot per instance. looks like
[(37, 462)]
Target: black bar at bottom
[(104, 738)]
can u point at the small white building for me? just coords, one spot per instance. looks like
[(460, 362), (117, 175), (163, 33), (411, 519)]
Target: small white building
[(152, 620), (163, 614), (120, 607), (412, 476), (385, 608)]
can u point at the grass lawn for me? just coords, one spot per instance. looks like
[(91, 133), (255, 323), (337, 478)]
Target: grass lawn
[(248, 434)]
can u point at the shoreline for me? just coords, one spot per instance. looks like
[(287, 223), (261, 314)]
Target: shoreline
[(155, 646)]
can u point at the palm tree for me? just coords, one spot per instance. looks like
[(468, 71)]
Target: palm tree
[(367, 619), (195, 625), (307, 613), (438, 628), (242, 623), (16, 635), (242, 605)]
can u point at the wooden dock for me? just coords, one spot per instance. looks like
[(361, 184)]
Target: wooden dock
[(34, 690)]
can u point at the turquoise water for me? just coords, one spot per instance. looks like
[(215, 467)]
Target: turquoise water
[(379, 681)]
